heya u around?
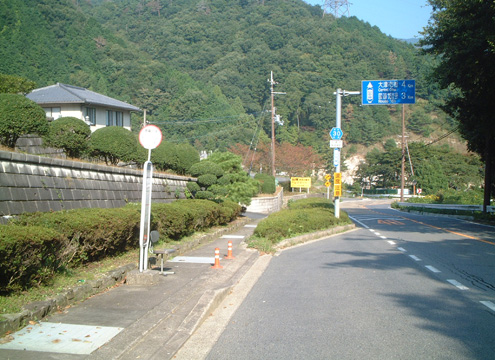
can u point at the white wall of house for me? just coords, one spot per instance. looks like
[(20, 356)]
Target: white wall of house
[(76, 110)]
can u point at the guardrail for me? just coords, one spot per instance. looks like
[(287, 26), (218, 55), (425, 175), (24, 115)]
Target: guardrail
[(471, 208)]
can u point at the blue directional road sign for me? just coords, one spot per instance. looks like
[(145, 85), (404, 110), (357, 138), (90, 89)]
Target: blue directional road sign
[(336, 133), (388, 92)]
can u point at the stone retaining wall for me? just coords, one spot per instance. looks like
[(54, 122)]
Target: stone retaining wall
[(30, 183), (267, 204)]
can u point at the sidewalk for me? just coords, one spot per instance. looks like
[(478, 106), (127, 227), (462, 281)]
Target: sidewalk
[(141, 321)]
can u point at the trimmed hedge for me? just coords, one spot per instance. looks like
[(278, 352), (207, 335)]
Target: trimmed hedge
[(310, 215), (29, 256), (35, 246), (267, 183)]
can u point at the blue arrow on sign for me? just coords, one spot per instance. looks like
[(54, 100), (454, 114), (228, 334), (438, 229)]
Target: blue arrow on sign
[(336, 133)]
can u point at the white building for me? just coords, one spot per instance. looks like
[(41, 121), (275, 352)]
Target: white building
[(61, 100)]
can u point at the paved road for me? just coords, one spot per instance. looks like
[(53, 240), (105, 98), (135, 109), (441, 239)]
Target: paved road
[(401, 286)]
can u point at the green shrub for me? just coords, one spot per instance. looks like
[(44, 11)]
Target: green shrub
[(29, 255), (267, 183), (70, 134), (35, 246), (206, 167), (193, 186), (90, 234), (226, 179), (288, 223), (113, 144), (207, 180), (187, 156), (19, 116), (164, 157), (205, 194), (309, 203)]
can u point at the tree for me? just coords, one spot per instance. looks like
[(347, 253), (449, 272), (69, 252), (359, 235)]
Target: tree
[(461, 36), (19, 116), (15, 85), (70, 134)]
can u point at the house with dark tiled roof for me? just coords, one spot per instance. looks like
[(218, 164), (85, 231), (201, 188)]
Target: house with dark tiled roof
[(97, 110)]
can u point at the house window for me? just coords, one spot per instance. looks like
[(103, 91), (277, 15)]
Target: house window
[(53, 112), (119, 116), (110, 118), (90, 115)]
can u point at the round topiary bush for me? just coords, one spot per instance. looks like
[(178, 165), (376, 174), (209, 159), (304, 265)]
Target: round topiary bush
[(206, 167), (187, 156), (205, 194), (113, 144), (19, 116), (207, 180), (70, 134)]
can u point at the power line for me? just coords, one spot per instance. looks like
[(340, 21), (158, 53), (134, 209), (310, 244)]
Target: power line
[(443, 136)]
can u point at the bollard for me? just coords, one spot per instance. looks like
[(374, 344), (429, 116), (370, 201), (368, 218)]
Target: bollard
[(217, 260), (229, 252)]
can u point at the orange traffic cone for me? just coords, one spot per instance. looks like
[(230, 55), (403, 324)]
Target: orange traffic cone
[(217, 260), (229, 252)]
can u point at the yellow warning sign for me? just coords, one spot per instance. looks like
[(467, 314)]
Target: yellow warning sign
[(337, 190), (337, 178), (328, 177), (327, 184), (300, 182)]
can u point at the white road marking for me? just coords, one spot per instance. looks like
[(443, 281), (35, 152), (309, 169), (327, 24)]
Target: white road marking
[(233, 237), (391, 242), (457, 284), (415, 258), (359, 222), (383, 237), (401, 249), (193, 259), (489, 305), (250, 225), (432, 269)]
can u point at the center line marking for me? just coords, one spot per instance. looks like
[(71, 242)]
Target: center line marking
[(391, 242), (457, 284), (489, 304), (401, 249), (415, 258), (432, 269)]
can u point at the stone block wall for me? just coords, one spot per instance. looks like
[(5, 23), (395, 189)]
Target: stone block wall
[(267, 204), (30, 183)]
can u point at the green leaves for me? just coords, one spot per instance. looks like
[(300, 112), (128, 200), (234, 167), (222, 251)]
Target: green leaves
[(19, 116)]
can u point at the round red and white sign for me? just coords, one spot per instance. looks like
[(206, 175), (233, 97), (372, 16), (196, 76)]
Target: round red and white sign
[(150, 137)]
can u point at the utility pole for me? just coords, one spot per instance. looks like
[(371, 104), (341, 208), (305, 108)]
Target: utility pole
[(272, 94)]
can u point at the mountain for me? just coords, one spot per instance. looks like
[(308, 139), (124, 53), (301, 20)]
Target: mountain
[(200, 67)]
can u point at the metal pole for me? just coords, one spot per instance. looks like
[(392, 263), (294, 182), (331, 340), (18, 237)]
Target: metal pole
[(403, 160), (337, 168), (273, 124)]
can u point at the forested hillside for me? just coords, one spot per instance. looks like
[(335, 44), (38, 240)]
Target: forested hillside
[(200, 67)]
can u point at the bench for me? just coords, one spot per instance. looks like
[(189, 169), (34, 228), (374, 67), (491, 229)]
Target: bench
[(162, 253)]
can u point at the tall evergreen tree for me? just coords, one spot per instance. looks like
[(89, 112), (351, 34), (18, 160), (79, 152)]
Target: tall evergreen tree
[(462, 35)]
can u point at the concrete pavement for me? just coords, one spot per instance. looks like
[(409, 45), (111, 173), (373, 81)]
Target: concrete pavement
[(148, 321)]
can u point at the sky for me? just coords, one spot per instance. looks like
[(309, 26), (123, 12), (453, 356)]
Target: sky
[(402, 19)]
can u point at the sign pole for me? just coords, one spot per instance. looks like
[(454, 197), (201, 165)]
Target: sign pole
[(150, 138), (337, 163)]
